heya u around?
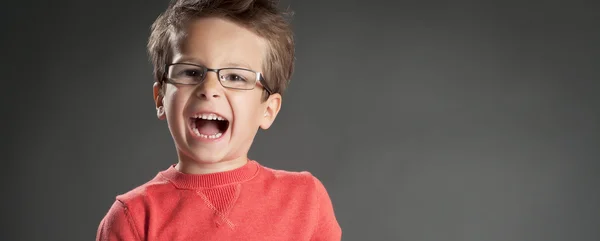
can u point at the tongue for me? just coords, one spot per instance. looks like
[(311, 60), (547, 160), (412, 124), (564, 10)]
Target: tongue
[(207, 127)]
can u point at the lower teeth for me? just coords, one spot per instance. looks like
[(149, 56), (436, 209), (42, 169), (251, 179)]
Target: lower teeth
[(214, 136)]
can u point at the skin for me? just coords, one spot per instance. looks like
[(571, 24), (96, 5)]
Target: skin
[(216, 43)]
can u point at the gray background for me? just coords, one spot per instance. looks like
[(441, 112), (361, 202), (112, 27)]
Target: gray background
[(425, 121)]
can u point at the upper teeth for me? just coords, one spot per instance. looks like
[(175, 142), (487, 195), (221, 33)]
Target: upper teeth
[(209, 117)]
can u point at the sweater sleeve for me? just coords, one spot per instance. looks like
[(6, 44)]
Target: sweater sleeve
[(327, 228), (117, 225)]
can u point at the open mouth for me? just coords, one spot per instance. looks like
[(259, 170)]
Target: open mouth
[(210, 126)]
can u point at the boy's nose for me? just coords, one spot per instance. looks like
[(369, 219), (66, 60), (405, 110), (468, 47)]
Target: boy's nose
[(210, 87)]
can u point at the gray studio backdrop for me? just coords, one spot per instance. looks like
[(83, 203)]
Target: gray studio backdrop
[(425, 121)]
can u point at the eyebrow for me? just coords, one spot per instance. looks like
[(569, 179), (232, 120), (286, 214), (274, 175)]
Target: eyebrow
[(237, 65), (190, 60)]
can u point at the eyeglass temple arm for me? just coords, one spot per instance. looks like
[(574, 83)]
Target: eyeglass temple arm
[(264, 84)]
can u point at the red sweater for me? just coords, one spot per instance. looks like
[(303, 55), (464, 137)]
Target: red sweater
[(252, 202)]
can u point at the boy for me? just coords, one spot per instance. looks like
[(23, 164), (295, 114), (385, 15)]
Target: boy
[(220, 68)]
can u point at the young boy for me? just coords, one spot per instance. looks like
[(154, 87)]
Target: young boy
[(220, 68)]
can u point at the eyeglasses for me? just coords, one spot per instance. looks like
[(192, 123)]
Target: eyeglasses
[(233, 78)]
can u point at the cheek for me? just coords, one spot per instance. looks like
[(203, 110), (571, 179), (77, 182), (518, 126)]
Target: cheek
[(247, 110), (174, 99)]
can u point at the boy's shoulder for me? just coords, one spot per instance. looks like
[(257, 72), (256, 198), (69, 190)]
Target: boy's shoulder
[(295, 183), (287, 175), (154, 187), (304, 179)]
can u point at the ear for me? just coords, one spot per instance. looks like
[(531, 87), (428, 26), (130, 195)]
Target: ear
[(273, 105), (158, 101)]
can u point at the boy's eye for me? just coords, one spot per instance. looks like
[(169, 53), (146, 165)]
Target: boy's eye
[(191, 73), (233, 77)]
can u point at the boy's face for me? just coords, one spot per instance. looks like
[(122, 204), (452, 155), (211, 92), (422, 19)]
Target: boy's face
[(216, 43)]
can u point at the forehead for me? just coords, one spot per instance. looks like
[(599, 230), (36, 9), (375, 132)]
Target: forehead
[(217, 43)]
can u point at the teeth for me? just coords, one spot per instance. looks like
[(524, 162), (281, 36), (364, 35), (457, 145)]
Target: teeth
[(209, 117), (215, 136), (195, 130)]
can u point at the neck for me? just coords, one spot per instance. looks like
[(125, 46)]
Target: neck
[(189, 166)]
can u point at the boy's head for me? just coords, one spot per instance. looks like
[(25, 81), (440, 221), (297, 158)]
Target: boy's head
[(214, 118)]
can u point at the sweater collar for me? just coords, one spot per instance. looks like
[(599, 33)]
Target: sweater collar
[(197, 181)]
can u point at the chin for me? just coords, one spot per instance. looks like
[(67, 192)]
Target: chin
[(205, 156)]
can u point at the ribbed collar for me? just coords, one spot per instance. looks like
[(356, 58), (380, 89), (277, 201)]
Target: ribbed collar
[(198, 181)]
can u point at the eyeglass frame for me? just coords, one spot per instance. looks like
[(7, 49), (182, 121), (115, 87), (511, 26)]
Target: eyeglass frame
[(260, 78)]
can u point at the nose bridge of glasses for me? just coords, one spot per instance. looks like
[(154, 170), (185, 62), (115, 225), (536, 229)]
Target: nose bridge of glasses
[(206, 80), (216, 71)]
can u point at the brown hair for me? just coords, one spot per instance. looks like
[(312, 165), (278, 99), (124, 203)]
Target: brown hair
[(260, 16)]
